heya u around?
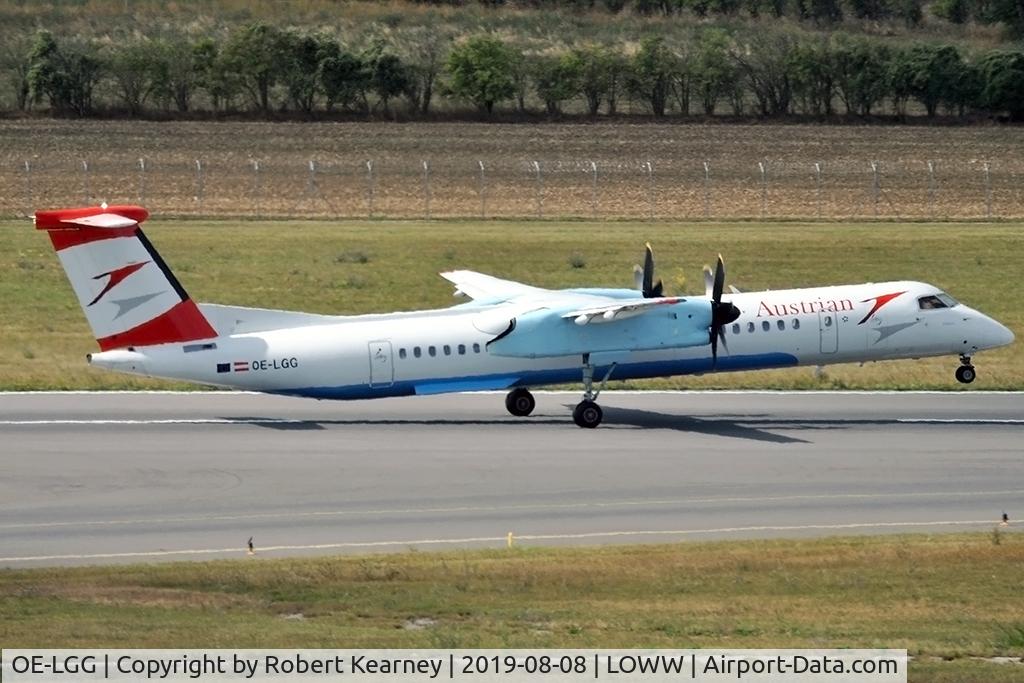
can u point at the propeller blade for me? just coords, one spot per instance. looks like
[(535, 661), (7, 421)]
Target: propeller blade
[(657, 289), (709, 281), (638, 277), (714, 349), (716, 294), (648, 280)]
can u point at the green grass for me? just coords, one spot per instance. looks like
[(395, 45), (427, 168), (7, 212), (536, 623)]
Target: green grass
[(953, 596), (363, 266)]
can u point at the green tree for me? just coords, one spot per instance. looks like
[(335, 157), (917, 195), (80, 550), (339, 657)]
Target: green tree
[(955, 11), (862, 69), (595, 65), (556, 79), (651, 73), (15, 48), (424, 50), (935, 70), (136, 69), (481, 71), (1002, 76), (713, 71), (765, 64), (301, 55), (215, 74), (66, 75), (256, 54), (388, 78), (344, 78), (814, 76)]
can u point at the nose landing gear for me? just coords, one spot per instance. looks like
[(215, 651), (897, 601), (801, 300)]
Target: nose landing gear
[(965, 374)]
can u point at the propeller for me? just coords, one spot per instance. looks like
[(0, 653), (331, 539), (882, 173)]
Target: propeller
[(722, 312), (644, 277)]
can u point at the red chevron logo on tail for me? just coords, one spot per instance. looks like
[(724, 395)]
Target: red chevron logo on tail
[(116, 277)]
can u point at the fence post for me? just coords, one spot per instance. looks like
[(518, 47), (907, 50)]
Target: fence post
[(593, 189), (707, 190), (369, 187), (199, 184), (142, 181), (256, 186), (28, 189), (540, 190), (650, 191), (931, 189), (817, 188), (764, 188), (875, 187), (988, 191), (482, 190), (426, 189), (85, 181)]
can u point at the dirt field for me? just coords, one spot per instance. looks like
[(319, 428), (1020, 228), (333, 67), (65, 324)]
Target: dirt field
[(588, 171)]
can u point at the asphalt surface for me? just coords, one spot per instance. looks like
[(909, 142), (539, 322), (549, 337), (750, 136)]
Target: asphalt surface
[(102, 478)]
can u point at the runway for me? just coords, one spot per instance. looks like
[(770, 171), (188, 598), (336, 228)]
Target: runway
[(97, 478)]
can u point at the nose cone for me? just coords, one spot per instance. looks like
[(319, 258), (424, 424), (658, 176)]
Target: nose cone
[(996, 334)]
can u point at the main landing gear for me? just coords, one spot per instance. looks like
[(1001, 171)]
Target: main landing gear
[(520, 402), (587, 413), (965, 374)]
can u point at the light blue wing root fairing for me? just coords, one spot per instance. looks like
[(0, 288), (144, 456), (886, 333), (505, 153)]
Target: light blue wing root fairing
[(551, 332)]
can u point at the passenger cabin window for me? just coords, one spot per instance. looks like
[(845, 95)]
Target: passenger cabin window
[(401, 353), (476, 348), (828, 321), (462, 349), (750, 327), (432, 350), (766, 326), (447, 350), (781, 324), (416, 351), (735, 328), (796, 323)]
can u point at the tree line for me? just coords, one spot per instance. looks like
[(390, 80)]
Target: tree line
[(267, 70), (1008, 13)]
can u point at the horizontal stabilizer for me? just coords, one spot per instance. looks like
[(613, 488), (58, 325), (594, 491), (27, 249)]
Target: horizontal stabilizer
[(228, 320), (103, 220)]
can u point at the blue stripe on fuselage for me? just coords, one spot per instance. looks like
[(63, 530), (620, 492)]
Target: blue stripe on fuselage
[(662, 368)]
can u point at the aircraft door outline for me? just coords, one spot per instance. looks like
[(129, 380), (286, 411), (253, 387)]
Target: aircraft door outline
[(382, 366)]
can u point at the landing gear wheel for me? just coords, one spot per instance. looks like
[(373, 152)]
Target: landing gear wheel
[(520, 402), (587, 414), (965, 374)]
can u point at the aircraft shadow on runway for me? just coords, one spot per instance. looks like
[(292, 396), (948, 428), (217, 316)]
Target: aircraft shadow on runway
[(739, 427)]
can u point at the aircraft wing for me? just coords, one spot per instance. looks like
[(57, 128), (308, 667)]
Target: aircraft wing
[(480, 286), (618, 310)]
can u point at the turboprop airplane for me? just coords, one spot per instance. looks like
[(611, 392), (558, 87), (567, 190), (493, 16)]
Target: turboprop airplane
[(509, 336)]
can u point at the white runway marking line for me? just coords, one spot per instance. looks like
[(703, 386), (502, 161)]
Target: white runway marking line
[(553, 392), (312, 420), (492, 539), (518, 508)]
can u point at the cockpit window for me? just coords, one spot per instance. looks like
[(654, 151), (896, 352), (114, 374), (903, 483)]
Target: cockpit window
[(936, 301)]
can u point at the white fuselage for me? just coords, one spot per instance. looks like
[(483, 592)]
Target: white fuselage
[(430, 352)]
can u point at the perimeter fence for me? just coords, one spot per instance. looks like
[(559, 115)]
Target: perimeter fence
[(646, 189)]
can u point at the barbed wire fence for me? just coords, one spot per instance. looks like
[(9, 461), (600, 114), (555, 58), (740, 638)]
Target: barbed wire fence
[(639, 189)]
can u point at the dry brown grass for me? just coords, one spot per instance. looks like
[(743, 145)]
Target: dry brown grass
[(674, 188)]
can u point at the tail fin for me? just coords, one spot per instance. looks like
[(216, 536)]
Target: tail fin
[(129, 295)]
